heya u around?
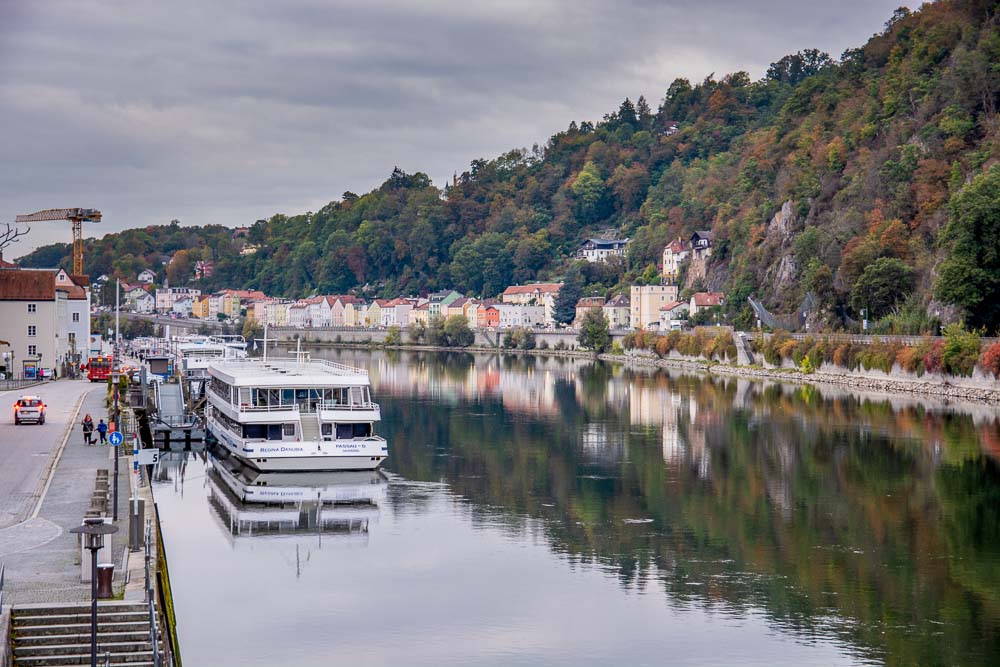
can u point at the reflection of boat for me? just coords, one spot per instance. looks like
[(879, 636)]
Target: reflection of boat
[(251, 503), (294, 414)]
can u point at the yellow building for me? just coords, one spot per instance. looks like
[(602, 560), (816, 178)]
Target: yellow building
[(200, 308), (646, 301)]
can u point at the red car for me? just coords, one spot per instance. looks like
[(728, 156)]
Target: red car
[(29, 409)]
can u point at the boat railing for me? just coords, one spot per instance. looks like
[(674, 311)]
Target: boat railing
[(344, 368), (333, 405)]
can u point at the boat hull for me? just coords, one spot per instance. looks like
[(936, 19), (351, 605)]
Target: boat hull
[(371, 456)]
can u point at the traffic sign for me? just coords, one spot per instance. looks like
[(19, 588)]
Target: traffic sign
[(116, 438), (148, 456)]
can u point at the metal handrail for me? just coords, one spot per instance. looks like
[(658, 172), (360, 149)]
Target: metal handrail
[(252, 408), (3, 568), (292, 360), (331, 405)]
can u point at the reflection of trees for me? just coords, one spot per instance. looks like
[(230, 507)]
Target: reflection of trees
[(846, 516)]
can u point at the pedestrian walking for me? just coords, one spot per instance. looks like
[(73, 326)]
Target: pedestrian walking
[(88, 430), (102, 432)]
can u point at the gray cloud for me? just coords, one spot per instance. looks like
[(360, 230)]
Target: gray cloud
[(229, 111)]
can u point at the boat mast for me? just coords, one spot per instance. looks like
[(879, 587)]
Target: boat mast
[(265, 341)]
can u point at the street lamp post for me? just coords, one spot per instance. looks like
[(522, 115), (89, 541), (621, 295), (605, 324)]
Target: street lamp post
[(94, 530)]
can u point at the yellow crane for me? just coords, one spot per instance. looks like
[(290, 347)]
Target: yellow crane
[(77, 216)]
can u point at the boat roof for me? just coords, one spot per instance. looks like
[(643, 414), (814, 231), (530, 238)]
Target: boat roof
[(284, 372)]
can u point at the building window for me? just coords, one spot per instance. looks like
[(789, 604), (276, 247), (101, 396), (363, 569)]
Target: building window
[(32, 307), (32, 330), (76, 317), (32, 350)]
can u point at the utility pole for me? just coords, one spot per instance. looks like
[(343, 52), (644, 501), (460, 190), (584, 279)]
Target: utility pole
[(114, 375)]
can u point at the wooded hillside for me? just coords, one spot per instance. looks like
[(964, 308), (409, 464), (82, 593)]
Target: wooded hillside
[(870, 180)]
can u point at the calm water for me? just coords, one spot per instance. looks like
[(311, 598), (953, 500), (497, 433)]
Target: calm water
[(559, 512)]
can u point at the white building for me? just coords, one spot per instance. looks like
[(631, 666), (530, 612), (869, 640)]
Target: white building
[(34, 318), (539, 294), (146, 276), (166, 296), (298, 315), (600, 250), (619, 312), (183, 306), (674, 255), (77, 290), (520, 315)]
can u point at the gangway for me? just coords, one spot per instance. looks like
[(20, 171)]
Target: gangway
[(172, 424)]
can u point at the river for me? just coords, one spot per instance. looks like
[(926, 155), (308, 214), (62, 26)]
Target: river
[(554, 511)]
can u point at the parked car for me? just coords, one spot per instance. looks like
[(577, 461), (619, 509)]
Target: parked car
[(29, 409)]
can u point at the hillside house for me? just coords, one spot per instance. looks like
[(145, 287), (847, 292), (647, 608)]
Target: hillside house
[(645, 302), (703, 300), (585, 304), (600, 250), (674, 255)]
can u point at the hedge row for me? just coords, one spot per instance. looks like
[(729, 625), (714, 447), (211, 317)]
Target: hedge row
[(957, 353), (701, 343)]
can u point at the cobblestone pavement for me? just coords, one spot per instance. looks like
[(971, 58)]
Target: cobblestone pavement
[(42, 557)]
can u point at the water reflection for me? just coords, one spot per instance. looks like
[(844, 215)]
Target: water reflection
[(773, 524), (254, 505)]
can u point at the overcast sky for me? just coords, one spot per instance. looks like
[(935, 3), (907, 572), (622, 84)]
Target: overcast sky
[(227, 111)]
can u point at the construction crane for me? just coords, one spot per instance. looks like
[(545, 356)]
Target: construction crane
[(77, 216)]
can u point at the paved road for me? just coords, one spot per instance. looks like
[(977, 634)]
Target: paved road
[(41, 555), (27, 451)]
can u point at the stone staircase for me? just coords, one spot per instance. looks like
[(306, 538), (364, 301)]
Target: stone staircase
[(58, 635)]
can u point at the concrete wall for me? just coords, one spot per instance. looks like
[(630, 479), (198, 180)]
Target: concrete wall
[(484, 338)]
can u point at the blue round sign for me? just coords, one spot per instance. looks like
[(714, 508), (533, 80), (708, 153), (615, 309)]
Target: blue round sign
[(116, 438)]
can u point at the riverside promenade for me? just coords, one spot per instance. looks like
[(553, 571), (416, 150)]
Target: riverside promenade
[(47, 477)]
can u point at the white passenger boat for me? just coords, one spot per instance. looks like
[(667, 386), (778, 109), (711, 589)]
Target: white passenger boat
[(294, 414), (194, 353)]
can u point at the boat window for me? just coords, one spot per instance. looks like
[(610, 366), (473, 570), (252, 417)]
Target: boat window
[(287, 396), (357, 395), (274, 431), (349, 431), (315, 394), (327, 429), (289, 430), (301, 394), (255, 431), (244, 395), (274, 397), (328, 394)]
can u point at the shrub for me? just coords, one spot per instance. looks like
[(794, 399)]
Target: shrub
[(560, 345), (616, 348), (787, 349), (961, 350), (544, 345), (806, 366), (934, 358), (909, 359), (662, 347), (841, 355), (393, 336), (629, 341), (991, 360), (731, 352)]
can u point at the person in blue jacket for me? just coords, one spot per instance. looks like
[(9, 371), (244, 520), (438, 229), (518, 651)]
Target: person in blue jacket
[(102, 432)]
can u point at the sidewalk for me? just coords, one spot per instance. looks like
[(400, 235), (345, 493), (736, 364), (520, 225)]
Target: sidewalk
[(42, 557)]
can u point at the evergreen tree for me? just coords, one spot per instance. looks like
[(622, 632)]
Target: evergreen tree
[(569, 294)]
